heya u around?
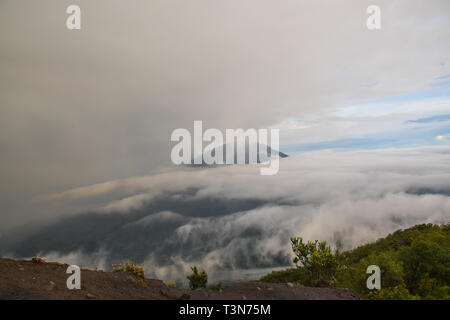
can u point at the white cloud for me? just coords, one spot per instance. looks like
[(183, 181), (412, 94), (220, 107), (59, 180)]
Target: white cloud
[(350, 197)]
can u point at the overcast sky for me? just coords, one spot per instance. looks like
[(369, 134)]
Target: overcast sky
[(78, 108)]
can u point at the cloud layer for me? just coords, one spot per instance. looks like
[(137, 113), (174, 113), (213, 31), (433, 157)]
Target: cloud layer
[(231, 218)]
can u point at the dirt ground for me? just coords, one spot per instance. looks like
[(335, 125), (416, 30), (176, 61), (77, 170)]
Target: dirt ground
[(25, 280)]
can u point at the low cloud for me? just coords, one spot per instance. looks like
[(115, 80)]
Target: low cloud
[(231, 218)]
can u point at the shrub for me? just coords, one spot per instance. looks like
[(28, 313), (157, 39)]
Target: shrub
[(37, 259), (196, 279), (129, 267), (140, 282), (316, 257), (216, 287)]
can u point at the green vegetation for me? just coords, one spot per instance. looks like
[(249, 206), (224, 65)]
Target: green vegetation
[(216, 287), (129, 267), (197, 280), (37, 259), (298, 276), (414, 264), (317, 259), (136, 270), (171, 284)]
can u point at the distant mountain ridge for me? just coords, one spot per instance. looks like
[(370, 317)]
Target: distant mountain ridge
[(261, 157)]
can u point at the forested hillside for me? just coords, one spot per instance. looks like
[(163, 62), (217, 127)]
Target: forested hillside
[(414, 264)]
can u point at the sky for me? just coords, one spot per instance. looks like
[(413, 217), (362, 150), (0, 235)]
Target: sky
[(86, 115)]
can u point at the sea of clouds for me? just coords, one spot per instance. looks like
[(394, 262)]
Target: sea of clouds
[(231, 219)]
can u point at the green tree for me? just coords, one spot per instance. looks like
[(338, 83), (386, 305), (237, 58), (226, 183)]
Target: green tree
[(318, 259)]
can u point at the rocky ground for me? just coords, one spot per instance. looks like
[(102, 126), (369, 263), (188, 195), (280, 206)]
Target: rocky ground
[(30, 280)]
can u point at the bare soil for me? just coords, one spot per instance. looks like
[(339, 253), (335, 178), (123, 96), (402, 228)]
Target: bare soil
[(27, 280)]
